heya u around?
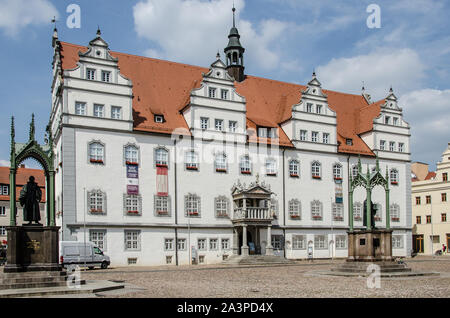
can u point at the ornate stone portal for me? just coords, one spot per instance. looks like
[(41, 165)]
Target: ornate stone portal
[(252, 212), (32, 247)]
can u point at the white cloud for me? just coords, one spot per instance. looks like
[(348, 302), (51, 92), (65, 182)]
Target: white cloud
[(427, 111), (192, 31), (401, 68), (4, 163), (18, 14)]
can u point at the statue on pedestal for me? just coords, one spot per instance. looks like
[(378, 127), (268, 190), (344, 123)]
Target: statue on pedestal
[(29, 199)]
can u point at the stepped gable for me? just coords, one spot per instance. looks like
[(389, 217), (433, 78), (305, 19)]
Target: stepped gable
[(163, 87)]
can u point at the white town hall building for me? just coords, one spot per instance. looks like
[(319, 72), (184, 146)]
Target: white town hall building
[(155, 157)]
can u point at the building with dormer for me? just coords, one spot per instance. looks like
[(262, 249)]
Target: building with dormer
[(161, 162)]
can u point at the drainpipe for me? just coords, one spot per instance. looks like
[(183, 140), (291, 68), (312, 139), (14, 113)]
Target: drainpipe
[(284, 204), (176, 202)]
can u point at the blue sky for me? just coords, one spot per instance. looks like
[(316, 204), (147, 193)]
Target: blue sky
[(284, 40)]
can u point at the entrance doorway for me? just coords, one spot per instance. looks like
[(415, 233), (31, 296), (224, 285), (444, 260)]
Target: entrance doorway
[(418, 243), (254, 247)]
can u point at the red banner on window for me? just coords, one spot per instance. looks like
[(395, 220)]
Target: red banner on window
[(162, 180)]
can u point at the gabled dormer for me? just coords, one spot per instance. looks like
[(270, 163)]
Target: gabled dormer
[(94, 93), (216, 110), (390, 134), (313, 123)]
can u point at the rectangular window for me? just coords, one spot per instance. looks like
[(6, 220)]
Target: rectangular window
[(445, 176), (417, 200), (387, 120), (232, 126), (204, 123), (224, 93), (168, 259), (435, 238), (395, 121), (90, 74), (444, 217), (132, 261), (428, 219), (391, 146), (181, 244), (212, 92), (132, 206), (191, 161), (338, 212), (382, 144), (98, 237), (80, 108), (428, 198), (161, 205), (271, 167), (96, 202), (99, 110), (326, 138), (418, 220), (309, 108), (303, 135), (341, 242), (277, 242), (201, 244), (349, 142), (401, 147), (106, 76), (320, 242), (219, 124), (168, 244), (315, 136), (2, 230), (262, 132), (116, 112), (159, 118), (298, 242), (318, 109), (444, 197), (221, 207), (213, 244), (192, 205), (2, 210), (397, 241), (225, 244), (132, 240), (4, 190)]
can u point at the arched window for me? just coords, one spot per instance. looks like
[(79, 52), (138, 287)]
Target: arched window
[(354, 171), (316, 170), (96, 201), (245, 165), (235, 58), (394, 211), (357, 211), (221, 207), (191, 160), (161, 157), (96, 153), (192, 205), (338, 212), (316, 210), (337, 171), (294, 168), (294, 209), (220, 162), (394, 176), (131, 155)]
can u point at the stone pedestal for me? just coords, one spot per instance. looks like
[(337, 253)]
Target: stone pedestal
[(32, 248), (370, 246)]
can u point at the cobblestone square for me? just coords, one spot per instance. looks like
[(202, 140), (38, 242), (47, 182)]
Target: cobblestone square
[(291, 281)]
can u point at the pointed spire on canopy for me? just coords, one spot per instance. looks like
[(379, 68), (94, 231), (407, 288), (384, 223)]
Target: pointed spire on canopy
[(234, 16), (32, 129), (99, 33)]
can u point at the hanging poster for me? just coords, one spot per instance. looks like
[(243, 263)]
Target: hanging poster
[(132, 189), (132, 171), (338, 193), (162, 181)]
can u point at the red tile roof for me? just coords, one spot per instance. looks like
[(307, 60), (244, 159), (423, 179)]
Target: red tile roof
[(163, 87), (430, 175), (22, 176)]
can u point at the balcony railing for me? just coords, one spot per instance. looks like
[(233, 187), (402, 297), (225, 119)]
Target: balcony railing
[(251, 213)]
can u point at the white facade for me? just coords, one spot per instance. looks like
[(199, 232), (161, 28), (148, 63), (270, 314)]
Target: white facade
[(149, 238)]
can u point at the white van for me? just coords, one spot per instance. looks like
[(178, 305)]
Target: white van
[(81, 253)]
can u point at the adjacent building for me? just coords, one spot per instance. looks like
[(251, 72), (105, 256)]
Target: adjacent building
[(22, 176), (161, 162), (431, 208)]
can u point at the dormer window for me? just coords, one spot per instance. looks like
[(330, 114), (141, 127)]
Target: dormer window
[(309, 108), (387, 120), (212, 92), (266, 132), (159, 118), (106, 76), (349, 142), (319, 109), (395, 121), (90, 74)]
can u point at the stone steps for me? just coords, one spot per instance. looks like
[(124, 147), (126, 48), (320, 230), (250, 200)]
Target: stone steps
[(361, 267), (256, 260), (24, 280)]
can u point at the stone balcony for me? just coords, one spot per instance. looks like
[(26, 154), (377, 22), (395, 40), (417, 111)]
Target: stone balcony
[(252, 214)]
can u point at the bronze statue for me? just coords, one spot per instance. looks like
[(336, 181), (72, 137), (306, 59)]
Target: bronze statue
[(373, 210), (29, 199)]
